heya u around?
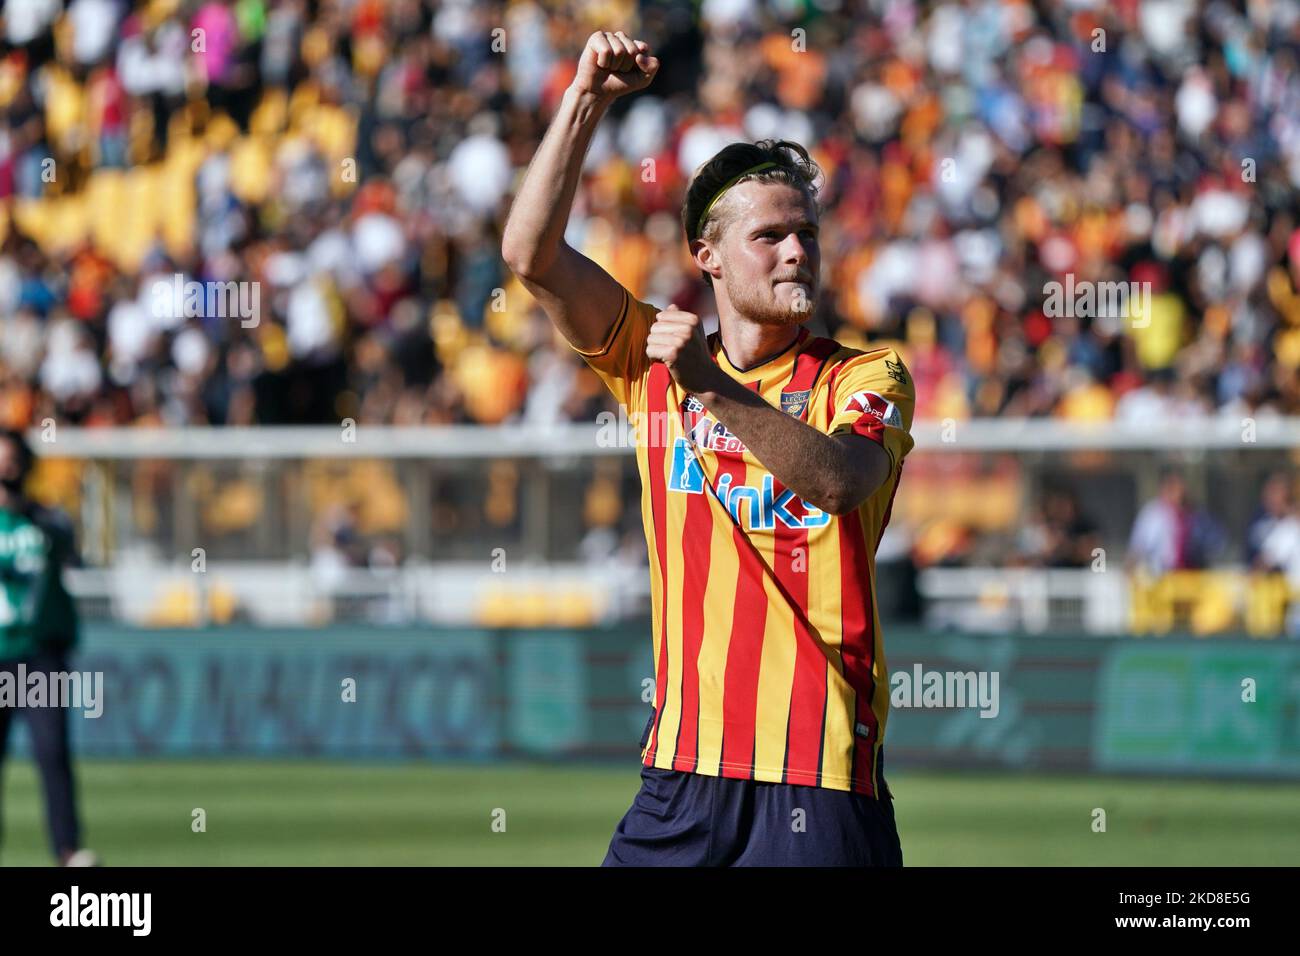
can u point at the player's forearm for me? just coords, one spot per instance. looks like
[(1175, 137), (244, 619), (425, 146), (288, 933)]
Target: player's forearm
[(815, 466), (535, 226)]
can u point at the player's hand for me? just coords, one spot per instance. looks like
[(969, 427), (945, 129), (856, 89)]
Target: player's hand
[(613, 65), (677, 340)]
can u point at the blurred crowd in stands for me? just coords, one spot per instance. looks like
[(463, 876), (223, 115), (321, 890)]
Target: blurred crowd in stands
[(356, 158)]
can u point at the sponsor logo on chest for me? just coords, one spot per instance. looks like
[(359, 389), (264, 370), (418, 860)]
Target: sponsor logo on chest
[(709, 433), (753, 507)]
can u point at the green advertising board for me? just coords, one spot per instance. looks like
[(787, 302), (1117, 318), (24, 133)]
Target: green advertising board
[(546, 695), (1204, 707), (1073, 703)]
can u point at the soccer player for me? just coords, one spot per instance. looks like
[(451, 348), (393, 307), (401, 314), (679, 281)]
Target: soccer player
[(38, 627), (768, 459)]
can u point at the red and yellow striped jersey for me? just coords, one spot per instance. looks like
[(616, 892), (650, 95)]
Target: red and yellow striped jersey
[(767, 649)]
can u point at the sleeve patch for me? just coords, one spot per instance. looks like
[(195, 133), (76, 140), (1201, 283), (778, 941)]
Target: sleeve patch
[(875, 405)]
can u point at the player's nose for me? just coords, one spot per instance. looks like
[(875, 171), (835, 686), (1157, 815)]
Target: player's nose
[(795, 252)]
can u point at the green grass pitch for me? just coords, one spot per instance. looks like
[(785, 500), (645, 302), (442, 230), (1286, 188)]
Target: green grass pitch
[(329, 813)]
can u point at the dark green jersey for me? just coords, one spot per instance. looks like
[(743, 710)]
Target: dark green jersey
[(36, 612)]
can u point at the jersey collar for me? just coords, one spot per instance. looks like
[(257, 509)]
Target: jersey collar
[(779, 366)]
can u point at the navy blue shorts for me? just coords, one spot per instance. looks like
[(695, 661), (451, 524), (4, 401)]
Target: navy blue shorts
[(689, 819)]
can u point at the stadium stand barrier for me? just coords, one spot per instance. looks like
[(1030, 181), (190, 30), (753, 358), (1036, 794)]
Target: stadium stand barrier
[(519, 526)]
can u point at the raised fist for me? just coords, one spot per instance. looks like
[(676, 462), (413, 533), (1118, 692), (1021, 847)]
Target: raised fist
[(677, 340), (613, 65)]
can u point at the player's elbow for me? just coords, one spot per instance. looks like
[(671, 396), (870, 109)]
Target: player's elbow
[(836, 507), (534, 268), (518, 251), (843, 500), (524, 255), (845, 507), (863, 469), (518, 258), (852, 491)]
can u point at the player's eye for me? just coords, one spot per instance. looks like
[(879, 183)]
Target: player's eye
[(806, 234)]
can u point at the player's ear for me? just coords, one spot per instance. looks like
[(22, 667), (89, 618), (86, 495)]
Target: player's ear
[(706, 257)]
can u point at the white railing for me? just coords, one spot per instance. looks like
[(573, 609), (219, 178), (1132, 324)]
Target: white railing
[(464, 593), (592, 439), (294, 594), (1035, 600), (988, 600), (1223, 600)]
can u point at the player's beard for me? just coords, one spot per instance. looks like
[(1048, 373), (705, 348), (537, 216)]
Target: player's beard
[(764, 305)]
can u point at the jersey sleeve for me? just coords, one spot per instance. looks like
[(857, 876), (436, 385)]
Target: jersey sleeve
[(875, 397), (621, 361)]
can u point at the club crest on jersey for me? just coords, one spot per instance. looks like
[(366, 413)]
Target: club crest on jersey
[(795, 403), (876, 405)]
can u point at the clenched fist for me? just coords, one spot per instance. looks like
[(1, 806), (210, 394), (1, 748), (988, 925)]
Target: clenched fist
[(677, 340), (613, 65)]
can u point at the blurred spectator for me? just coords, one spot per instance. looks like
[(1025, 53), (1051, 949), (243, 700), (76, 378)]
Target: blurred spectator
[(1171, 534), (336, 547), (1275, 507), (1059, 536), (1279, 551)]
